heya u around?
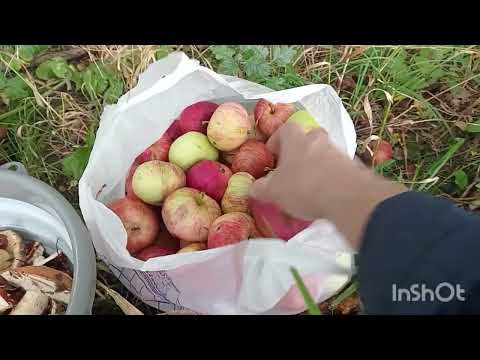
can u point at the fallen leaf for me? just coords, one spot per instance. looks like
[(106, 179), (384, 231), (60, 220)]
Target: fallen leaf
[(124, 304), (357, 52), (410, 170), (349, 306), (346, 83), (368, 110), (317, 65)]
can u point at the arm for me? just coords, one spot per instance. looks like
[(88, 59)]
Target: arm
[(413, 238), (402, 237)]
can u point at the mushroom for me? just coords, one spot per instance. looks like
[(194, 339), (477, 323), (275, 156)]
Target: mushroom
[(56, 308), (9, 295), (51, 282), (3, 242), (5, 260), (33, 253), (6, 301), (32, 303), (14, 246)]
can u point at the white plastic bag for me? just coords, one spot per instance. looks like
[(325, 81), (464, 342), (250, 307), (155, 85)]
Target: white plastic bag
[(252, 277)]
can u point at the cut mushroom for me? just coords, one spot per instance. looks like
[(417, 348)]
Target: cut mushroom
[(14, 247), (32, 303), (51, 282), (33, 252), (6, 301), (5, 260), (43, 260), (3, 242), (53, 307), (56, 307)]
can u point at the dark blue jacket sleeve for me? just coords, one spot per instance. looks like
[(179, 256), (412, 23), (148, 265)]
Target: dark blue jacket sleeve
[(420, 255)]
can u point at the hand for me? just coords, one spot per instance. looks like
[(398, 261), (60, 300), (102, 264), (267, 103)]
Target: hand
[(313, 179)]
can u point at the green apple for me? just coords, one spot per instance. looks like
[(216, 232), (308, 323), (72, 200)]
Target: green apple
[(190, 148), (304, 119)]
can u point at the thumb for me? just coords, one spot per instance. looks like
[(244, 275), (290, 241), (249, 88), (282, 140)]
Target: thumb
[(261, 188)]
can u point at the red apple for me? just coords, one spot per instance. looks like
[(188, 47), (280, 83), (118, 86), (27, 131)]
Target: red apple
[(210, 177), (273, 222), (256, 134), (229, 229), (228, 156), (254, 158), (188, 214), (164, 238), (173, 131), (140, 222), (153, 251), (269, 117), (255, 232), (157, 151), (382, 151), (196, 117)]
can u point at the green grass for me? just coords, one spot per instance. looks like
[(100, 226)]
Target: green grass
[(424, 100)]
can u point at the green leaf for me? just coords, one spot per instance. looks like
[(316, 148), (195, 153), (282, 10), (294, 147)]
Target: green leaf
[(94, 80), (311, 306), (101, 80), (16, 88), (440, 163), (163, 51), (283, 55), (12, 62), (291, 76), (222, 52), (27, 52), (254, 51), (461, 179), (54, 68), (276, 83), (384, 166), (74, 164), (114, 91), (473, 127), (229, 67), (257, 68), (77, 79), (90, 139)]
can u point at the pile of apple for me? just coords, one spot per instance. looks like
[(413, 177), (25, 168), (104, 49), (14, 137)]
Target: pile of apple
[(189, 190)]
